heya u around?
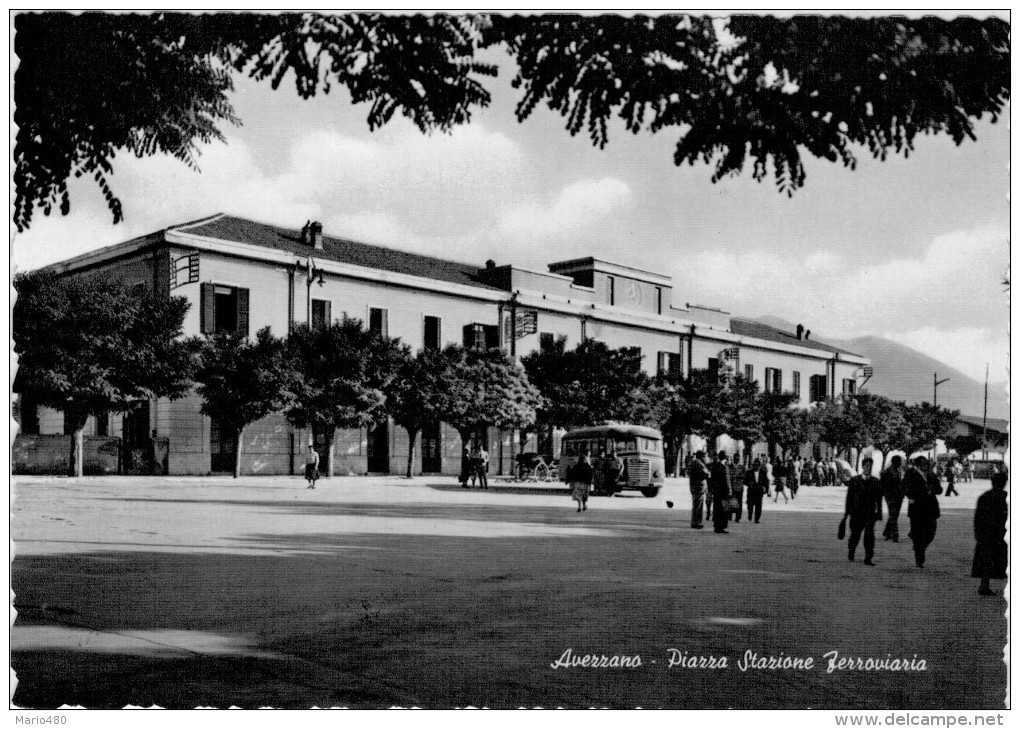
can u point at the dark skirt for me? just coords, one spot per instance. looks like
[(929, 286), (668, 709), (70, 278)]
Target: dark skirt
[(990, 561)]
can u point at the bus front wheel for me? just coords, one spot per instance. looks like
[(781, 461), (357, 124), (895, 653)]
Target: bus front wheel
[(650, 492)]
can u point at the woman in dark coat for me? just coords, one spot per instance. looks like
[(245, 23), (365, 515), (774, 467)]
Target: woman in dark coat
[(991, 555)]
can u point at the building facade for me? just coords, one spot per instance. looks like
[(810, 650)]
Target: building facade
[(242, 275)]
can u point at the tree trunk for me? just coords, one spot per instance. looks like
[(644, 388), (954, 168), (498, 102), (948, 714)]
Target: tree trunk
[(78, 452), (76, 464), (238, 439), (412, 435), (329, 453)]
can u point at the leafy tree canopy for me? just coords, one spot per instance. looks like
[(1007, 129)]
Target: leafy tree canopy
[(758, 91), (486, 387), (242, 380), (589, 384), (928, 423), (87, 345), (413, 395), (340, 372)]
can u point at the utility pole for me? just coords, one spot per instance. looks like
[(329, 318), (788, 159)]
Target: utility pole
[(937, 381), (984, 420)]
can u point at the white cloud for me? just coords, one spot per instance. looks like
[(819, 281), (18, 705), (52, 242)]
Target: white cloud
[(581, 204), (160, 191), (954, 285)]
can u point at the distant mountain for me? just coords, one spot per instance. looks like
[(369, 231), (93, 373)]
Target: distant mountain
[(902, 373)]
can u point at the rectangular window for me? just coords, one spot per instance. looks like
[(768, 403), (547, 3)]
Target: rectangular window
[(668, 365), (612, 290), (224, 309), (481, 336), (433, 336), (796, 385), (773, 380), (321, 314), (378, 322), (749, 372), (546, 341), (849, 387), (713, 366), (103, 424), (817, 386)]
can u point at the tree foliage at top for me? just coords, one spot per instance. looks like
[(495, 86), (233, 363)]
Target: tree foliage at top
[(241, 381), (758, 91), (588, 384), (87, 345), (91, 85)]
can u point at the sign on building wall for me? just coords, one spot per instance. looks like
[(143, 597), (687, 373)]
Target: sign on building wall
[(184, 270), (527, 322)]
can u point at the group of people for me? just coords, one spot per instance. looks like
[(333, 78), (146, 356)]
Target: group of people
[(726, 482), (474, 466), (606, 473), (920, 484), (718, 490)]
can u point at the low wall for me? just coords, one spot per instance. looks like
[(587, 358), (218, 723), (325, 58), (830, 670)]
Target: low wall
[(51, 455)]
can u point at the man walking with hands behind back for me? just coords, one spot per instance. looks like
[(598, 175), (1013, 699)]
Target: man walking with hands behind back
[(864, 508), (697, 472)]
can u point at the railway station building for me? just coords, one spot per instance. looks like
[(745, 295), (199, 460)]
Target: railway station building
[(242, 275)]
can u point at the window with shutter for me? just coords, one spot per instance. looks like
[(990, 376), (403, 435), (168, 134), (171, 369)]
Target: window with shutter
[(490, 334), (241, 318), (713, 366), (377, 322), (321, 315), (208, 314), (546, 341), (796, 385), (817, 386), (749, 372), (433, 336)]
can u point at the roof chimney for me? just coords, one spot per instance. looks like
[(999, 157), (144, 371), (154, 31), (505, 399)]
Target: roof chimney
[(800, 331), (807, 334), (490, 264), (315, 235)]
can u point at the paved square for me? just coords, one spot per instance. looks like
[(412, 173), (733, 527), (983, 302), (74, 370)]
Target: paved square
[(372, 592)]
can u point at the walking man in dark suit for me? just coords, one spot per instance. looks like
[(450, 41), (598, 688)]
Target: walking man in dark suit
[(719, 486), (864, 508), (892, 490), (922, 488)]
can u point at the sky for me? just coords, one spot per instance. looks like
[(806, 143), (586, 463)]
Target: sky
[(911, 249)]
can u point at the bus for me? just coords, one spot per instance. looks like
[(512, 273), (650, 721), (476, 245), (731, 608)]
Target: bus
[(639, 448)]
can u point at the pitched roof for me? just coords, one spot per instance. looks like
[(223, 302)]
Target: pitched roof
[(239, 230), (751, 328), (994, 424)]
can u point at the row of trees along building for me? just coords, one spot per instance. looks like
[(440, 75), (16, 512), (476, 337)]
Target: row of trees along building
[(89, 346)]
